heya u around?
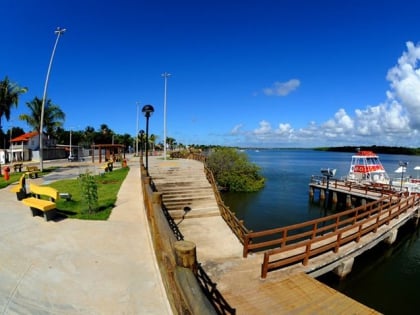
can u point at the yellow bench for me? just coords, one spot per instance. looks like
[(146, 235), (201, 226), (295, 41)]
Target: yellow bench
[(108, 166), (32, 171), (20, 188), (42, 201)]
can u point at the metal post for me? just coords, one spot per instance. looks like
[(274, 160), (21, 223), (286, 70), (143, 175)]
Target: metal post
[(165, 76), (59, 31), (70, 156), (147, 110), (10, 145), (137, 129), (147, 143)]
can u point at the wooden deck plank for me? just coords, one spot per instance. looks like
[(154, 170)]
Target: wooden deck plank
[(297, 295)]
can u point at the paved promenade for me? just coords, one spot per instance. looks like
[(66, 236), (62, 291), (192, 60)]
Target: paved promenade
[(78, 266)]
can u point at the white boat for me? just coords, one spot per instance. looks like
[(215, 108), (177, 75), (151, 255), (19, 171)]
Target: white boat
[(366, 167)]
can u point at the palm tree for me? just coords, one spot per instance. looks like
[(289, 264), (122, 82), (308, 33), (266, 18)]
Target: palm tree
[(53, 116), (171, 142), (152, 140), (9, 96)]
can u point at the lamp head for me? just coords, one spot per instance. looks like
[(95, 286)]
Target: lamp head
[(59, 31), (148, 110)]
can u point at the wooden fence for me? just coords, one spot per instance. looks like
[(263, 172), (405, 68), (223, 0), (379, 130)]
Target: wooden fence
[(300, 242), (237, 226)]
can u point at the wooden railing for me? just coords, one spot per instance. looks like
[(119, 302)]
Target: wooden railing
[(300, 242), (237, 226), (381, 189), (183, 298)]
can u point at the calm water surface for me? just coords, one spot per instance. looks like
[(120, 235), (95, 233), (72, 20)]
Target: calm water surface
[(386, 278)]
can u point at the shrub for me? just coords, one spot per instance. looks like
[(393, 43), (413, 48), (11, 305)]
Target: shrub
[(233, 171), (89, 193)]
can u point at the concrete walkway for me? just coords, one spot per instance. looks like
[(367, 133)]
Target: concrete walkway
[(77, 266)]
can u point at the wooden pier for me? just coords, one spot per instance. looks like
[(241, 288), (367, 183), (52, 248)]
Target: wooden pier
[(247, 272)]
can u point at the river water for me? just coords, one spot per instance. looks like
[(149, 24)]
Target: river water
[(385, 278)]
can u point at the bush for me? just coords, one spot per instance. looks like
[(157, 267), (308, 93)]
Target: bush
[(233, 171), (89, 193)]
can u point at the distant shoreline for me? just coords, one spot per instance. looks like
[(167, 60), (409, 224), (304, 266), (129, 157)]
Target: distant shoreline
[(349, 149)]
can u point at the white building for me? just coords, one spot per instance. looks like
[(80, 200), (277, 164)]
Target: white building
[(23, 147)]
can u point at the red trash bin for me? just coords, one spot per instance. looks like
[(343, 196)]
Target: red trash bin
[(6, 171)]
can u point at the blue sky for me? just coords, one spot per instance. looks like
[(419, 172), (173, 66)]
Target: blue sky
[(247, 73)]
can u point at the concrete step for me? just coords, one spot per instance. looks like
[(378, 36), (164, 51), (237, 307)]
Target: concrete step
[(184, 184), (181, 189), (180, 183), (181, 204), (187, 195), (197, 213)]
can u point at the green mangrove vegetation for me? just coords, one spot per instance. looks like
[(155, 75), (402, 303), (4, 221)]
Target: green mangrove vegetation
[(233, 171)]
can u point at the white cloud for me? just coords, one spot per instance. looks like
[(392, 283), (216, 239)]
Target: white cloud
[(405, 83), (282, 88), (236, 129), (265, 128), (284, 129), (395, 121)]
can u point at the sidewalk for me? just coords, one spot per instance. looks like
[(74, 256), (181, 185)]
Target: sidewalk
[(78, 266)]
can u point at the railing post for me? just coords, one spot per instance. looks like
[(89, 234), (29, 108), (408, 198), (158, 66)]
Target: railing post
[(186, 255), (245, 249), (264, 266), (157, 198)]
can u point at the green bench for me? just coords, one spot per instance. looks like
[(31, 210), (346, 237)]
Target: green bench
[(42, 201), (20, 188)]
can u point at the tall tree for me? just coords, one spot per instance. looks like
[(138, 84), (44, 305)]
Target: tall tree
[(53, 115), (9, 96), (152, 140)]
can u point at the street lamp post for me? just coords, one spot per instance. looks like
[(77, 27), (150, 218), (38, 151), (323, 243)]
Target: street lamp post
[(165, 76), (70, 155), (147, 111), (59, 31), (141, 136), (403, 166), (328, 173), (137, 129), (10, 144)]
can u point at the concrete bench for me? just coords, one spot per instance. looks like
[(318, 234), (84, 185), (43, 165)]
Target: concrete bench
[(42, 201), (20, 188), (32, 171), (18, 167)]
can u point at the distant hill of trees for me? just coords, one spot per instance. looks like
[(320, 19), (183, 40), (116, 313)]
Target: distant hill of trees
[(374, 148)]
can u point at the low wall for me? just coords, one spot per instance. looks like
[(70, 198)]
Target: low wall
[(183, 290)]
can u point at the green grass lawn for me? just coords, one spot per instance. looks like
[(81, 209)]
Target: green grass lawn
[(108, 186)]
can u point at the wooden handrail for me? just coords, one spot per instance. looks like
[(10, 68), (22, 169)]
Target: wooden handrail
[(237, 226), (338, 234)]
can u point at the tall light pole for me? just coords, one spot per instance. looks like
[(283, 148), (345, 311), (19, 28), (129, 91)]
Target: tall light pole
[(141, 135), (165, 76), (70, 156), (147, 111), (10, 141), (137, 129), (59, 31), (403, 166)]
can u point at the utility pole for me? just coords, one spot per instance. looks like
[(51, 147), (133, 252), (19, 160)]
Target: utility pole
[(165, 76)]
